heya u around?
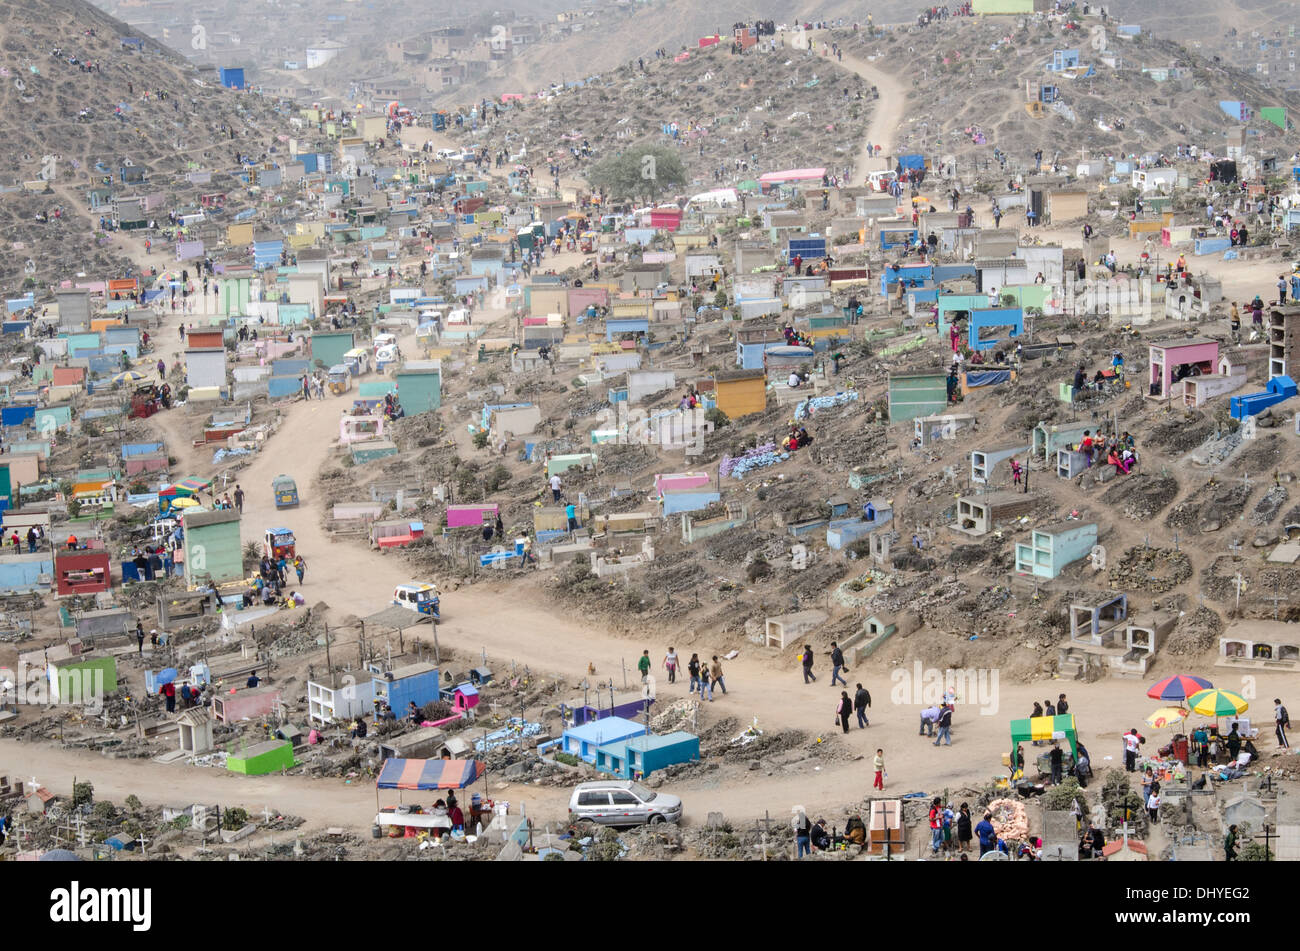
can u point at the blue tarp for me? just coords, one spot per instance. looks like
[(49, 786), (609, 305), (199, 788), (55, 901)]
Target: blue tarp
[(987, 377)]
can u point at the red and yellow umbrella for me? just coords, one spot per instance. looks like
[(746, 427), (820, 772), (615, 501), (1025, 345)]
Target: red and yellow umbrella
[(1178, 687)]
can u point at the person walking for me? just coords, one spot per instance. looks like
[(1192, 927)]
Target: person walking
[(670, 664), (300, 568), (987, 834), (862, 700), (693, 668), (807, 656), (843, 709), (716, 680), (878, 763), (1230, 845), (945, 726), (1281, 720), (837, 664), (963, 828), (1048, 709), (555, 488), (139, 638), (1153, 805), (239, 499), (643, 665)]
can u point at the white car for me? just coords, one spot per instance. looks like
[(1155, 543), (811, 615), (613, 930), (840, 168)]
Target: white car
[(621, 802), (445, 154)]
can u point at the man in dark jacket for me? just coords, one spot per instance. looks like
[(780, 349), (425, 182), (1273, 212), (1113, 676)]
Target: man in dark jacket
[(945, 726), (1233, 740), (808, 675), (837, 664), (862, 700), (1056, 757)]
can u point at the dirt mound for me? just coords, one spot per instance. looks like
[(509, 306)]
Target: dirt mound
[(1195, 633), (1181, 434), (1269, 505), (1141, 496), (1209, 508), (1150, 569)]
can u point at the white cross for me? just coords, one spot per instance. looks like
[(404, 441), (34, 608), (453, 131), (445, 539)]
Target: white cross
[(266, 814), (143, 842)]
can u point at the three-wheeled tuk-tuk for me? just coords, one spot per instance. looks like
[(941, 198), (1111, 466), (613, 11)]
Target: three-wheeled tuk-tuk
[(340, 379), (286, 491), (279, 542), (420, 598)]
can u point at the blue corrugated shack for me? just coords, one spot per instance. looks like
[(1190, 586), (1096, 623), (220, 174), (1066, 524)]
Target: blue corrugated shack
[(414, 683)]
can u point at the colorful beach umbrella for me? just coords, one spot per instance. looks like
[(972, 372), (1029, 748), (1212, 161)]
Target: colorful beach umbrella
[(1217, 703), (129, 376), (1178, 687), (1166, 716)]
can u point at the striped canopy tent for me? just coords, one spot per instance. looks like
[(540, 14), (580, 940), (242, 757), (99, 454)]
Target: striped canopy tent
[(428, 774), (186, 487), (1060, 727)]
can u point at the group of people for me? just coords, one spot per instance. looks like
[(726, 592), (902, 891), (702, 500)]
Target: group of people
[(796, 338), (35, 535), (951, 829), (796, 439), (705, 676), (1117, 450), (392, 408), (272, 579)]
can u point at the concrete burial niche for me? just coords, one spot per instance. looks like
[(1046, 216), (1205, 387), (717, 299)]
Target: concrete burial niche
[(980, 514), (781, 631)]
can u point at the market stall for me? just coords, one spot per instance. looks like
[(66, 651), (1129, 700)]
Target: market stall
[(1060, 727), (428, 775)]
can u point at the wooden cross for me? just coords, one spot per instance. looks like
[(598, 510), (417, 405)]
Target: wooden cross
[(1269, 836)]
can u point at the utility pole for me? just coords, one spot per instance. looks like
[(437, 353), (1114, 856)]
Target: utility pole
[(329, 664)]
